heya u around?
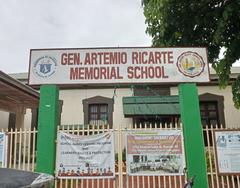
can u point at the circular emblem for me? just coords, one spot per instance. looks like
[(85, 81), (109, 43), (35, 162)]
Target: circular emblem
[(190, 64), (45, 66)]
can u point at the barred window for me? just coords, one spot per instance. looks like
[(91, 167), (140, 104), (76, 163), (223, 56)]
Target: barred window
[(98, 114), (98, 111), (209, 113)]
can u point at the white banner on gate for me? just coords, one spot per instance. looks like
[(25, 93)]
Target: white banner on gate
[(158, 152), (3, 149), (85, 157), (118, 65), (228, 151)]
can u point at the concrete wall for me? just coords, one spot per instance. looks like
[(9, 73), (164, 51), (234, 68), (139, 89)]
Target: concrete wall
[(72, 111)]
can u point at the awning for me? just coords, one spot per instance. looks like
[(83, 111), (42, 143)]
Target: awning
[(15, 94), (151, 105)]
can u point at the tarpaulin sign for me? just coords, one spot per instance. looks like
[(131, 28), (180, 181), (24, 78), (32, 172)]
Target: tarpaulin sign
[(228, 151), (3, 149), (85, 156), (155, 152)]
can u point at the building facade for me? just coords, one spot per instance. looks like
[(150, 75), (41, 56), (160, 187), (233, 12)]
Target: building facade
[(141, 104)]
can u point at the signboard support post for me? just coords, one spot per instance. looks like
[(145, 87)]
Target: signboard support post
[(47, 129), (193, 135)]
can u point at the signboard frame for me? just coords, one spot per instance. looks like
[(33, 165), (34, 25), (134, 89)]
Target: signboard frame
[(217, 154), (126, 80)]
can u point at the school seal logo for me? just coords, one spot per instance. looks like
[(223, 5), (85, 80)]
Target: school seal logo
[(190, 64), (45, 66)]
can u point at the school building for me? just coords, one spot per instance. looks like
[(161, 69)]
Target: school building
[(118, 105)]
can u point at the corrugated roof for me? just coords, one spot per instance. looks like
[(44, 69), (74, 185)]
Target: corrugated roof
[(15, 93)]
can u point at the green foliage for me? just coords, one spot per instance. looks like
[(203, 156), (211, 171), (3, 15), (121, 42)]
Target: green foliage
[(211, 23)]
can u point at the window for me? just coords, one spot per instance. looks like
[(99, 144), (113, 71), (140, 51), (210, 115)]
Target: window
[(212, 109), (98, 110), (209, 113), (98, 114), (212, 113), (209, 116)]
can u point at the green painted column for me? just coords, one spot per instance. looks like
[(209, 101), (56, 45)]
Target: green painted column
[(193, 134), (47, 129)]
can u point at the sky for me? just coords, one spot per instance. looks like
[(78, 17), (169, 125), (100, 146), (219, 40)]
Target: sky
[(33, 24)]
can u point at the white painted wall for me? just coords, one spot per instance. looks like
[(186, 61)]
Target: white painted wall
[(232, 115), (28, 118), (4, 116), (25, 118), (72, 111)]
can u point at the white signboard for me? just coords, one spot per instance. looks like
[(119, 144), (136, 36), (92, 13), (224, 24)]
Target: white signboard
[(155, 153), (118, 65), (3, 149), (228, 151), (85, 156)]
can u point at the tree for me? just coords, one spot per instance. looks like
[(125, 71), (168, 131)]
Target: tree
[(211, 23)]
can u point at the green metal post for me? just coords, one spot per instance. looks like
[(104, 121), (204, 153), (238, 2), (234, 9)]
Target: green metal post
[(47, 129), (193, 134)]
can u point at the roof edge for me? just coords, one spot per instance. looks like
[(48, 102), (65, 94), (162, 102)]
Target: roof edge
[(15, 83)]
